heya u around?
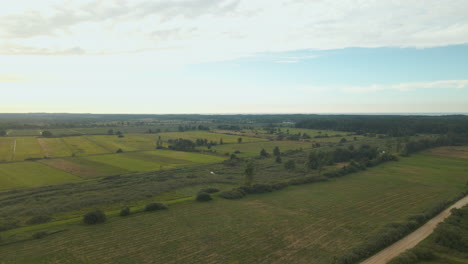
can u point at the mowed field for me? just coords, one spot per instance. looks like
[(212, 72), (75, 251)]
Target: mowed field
[(300, 224), (31, 174), (62, 170)]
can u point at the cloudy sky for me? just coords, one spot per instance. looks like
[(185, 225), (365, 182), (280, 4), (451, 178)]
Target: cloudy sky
[(234, 56)]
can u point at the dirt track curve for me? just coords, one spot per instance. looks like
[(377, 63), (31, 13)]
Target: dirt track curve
[(414, 238)]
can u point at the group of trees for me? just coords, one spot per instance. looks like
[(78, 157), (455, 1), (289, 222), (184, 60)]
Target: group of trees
[(183, 128), (182, 144), (389, 125)]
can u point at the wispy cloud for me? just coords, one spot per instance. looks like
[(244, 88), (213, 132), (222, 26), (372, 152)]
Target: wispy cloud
[(445, 84), (209, 30)]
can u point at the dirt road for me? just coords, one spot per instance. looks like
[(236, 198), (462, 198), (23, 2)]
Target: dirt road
[(414, 238)]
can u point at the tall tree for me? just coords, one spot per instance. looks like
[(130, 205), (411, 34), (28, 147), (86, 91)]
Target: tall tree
[(249, 173)]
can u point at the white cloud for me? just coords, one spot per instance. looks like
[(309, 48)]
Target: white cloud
[(445, 84), (185, 31)]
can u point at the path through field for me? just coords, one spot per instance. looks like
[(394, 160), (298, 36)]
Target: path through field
[(414, 238), (14, 151)]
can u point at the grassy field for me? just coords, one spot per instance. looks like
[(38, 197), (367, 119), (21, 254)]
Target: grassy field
[(194, 135), (6, 149), (130, 142), (27, 147), (31, 174), (81, 146), (300, 224)]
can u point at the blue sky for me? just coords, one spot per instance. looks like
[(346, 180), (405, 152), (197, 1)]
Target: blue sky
[(234, 56)]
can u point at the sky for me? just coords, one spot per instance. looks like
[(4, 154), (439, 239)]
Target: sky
[(234, 56)]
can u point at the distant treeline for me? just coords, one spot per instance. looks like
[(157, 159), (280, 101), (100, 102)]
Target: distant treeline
[(390, 125)]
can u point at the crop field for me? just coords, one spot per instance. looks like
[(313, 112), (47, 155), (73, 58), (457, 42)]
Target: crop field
[(81, 146), (194, 135), (147, 161), (31, 174), (310, 223), (6, 149), (130, 142), (27, 147)]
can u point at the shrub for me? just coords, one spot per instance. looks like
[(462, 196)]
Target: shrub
[(204, 197), (232, 194), (94, 217), (38, 219), (39, 235), (290, 165), (119, 150), (125, 211), (209, 190), (155, 207)]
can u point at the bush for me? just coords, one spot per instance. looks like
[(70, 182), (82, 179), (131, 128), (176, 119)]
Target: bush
[(204, 197), (38, 219), (209, 190), (119, 150), (94, 217), (155, 207), (39, 235), (232, 194), (125, 211)]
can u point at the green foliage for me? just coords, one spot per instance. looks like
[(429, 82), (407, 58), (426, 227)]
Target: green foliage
[(119, 150), (264, 153), (94, 217), (203, 197), (290, 165), (125, 211), (155, 207), (46, 133), (232, 194), (276, 151), (278, 159), (249, 172), (209, 190)]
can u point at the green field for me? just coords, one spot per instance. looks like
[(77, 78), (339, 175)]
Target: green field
[(27, 147), (300, 224), (130, 142), (81, 146), (194, 135), (31, 174), (6, 148)]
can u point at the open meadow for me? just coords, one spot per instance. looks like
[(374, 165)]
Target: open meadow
[(310, 223)]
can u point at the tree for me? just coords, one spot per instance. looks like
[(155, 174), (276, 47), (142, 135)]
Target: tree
[(278, 159), (249, 173), (317, 160), (343, 140), (264, 154), (221, 141), (204, 197), (119, 150), (46, 133), (110, 132), (94, 217), (3, 133), (125, 211), (239, 140), (276, 151), (290, 165)]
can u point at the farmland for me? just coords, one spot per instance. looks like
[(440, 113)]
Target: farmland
[(31, 174), (308, 223)]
